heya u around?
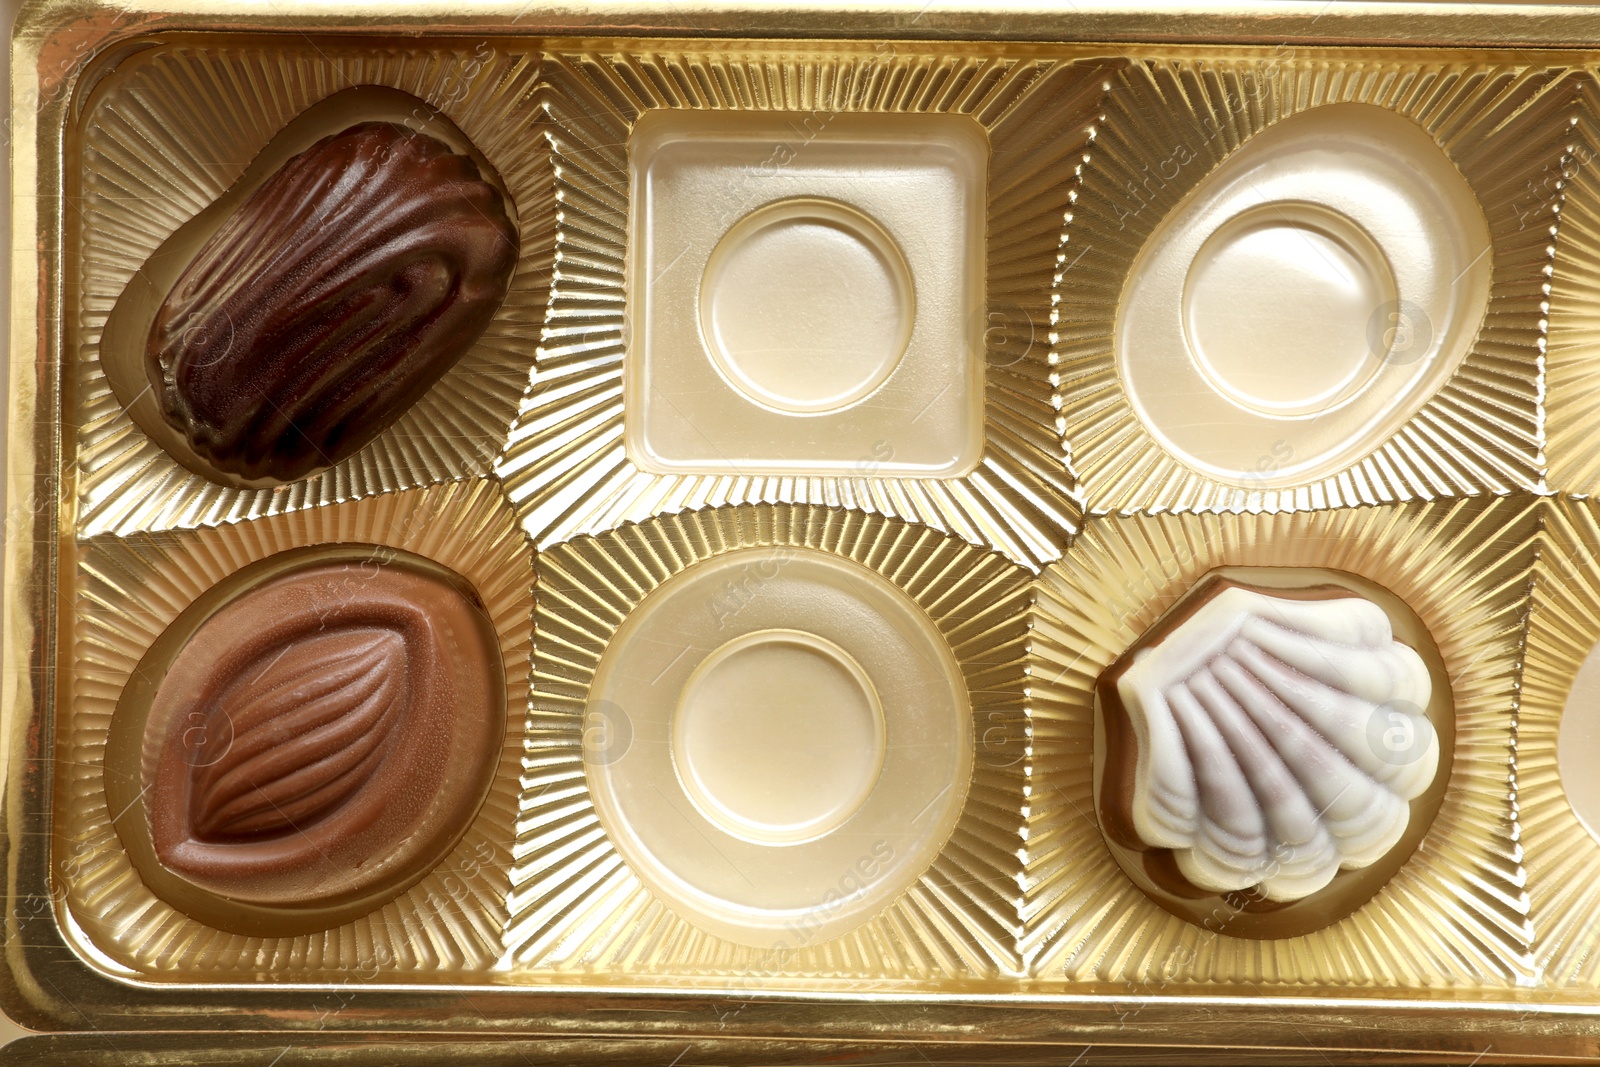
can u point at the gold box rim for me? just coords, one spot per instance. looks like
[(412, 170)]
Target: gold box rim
[(67, 32)]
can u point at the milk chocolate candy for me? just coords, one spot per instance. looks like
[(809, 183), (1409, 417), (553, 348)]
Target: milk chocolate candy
[(321, 740), (331, 300)]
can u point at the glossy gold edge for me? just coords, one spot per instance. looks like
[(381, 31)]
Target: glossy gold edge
[(1365, 22), (76, 997), (93, 1051)]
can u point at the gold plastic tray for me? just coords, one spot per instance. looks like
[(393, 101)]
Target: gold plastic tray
[(1035, 532)]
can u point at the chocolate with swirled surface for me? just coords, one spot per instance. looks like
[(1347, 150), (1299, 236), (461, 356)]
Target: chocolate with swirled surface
[(332, 298)]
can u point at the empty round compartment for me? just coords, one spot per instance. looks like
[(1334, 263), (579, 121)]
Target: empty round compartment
[(807, 305), (1305, 299), (801, 744), (802, 702), (1319, 275)]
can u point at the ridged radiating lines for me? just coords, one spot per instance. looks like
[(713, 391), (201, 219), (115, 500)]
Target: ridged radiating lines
[(1563, 856), (1572, 373), (577, 908)]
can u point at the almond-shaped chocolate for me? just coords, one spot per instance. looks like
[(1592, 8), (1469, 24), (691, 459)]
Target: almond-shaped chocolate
[(336, 294), (321, 740)]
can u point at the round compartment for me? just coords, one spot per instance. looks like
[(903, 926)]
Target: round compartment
[(1301, 346), (778, 737), (806, 306), (801, 744), (1305, 299)]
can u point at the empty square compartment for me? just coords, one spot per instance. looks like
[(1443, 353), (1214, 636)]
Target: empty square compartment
[(806, 294)]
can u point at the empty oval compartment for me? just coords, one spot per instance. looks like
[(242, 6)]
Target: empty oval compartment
[(1305, 299)]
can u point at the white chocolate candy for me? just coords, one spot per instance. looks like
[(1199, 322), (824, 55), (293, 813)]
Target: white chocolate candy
[(1279, 740)]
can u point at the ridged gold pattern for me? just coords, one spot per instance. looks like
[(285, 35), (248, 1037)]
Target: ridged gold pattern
[(1455, 915), (50, 989), (577, 908), (1503, 126), (1572, 374), (566, 469), (164, 135), (1563, 858), (129, 589)]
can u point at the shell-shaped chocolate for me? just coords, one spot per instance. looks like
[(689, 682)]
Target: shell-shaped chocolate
[(324, 736), (1270, 741), (336, 294)]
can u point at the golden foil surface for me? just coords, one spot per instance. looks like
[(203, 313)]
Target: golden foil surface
[(1023, 941)]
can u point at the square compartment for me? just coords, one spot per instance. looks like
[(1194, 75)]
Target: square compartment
[(806, 294)]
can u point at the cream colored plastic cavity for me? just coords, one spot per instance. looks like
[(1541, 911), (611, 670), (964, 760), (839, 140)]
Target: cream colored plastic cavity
[(1306, 298), (1578, 744), (801, 744), (806, 293), (778, 691)]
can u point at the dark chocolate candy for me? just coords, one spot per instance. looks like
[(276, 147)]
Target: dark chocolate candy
[(335, 295), (325, 736)]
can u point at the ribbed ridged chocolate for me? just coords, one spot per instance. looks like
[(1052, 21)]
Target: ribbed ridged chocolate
[(323, 736), (305, 736), (335, 295)]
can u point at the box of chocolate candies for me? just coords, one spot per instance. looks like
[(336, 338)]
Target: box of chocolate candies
[(630, 529)]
